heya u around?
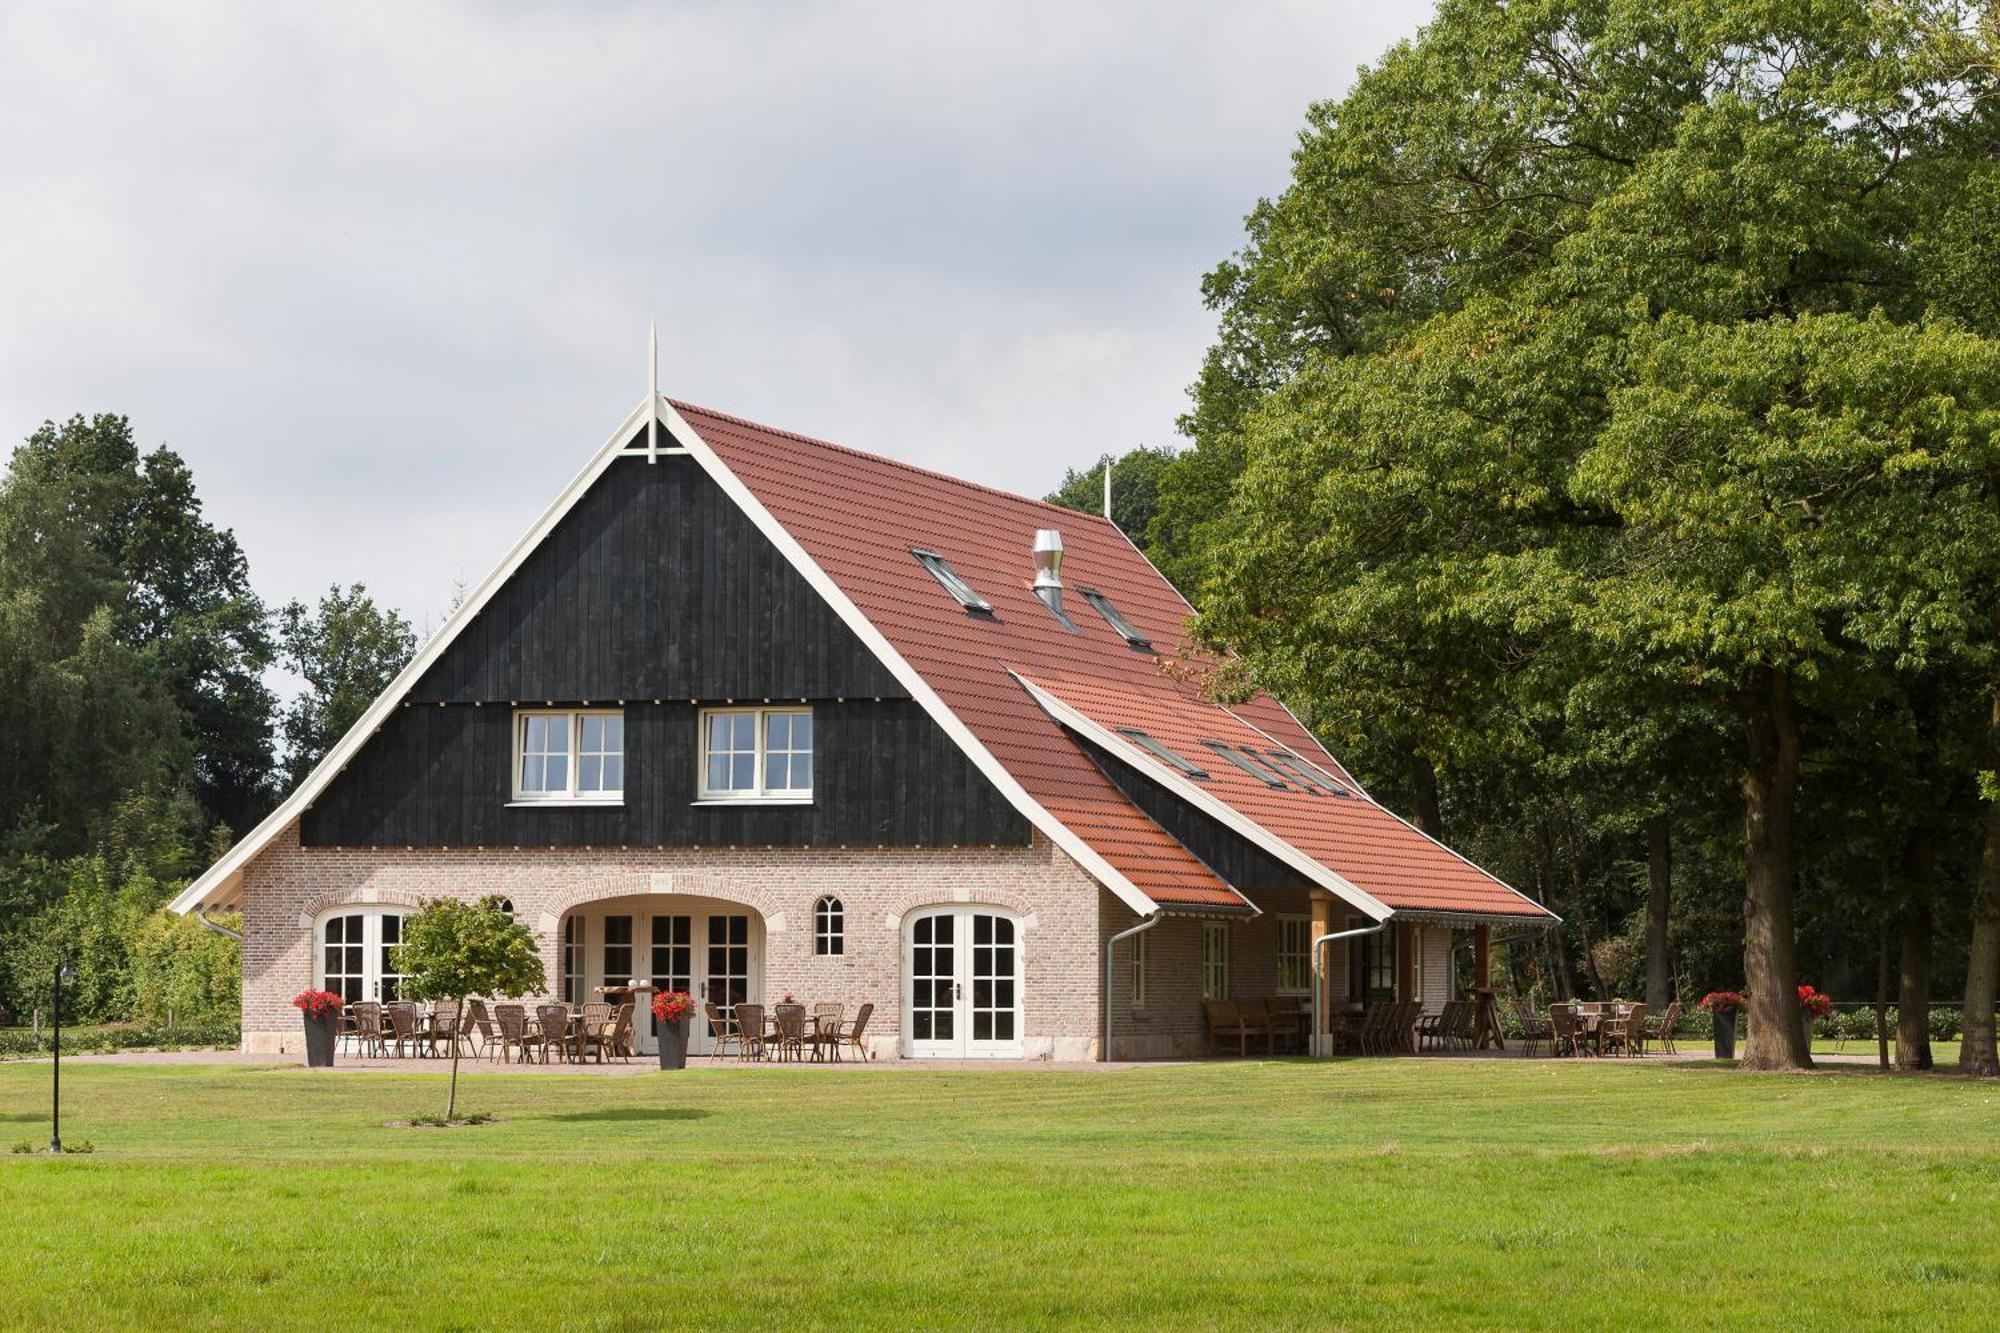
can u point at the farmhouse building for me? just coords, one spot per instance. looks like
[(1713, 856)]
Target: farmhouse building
[(747, 714)]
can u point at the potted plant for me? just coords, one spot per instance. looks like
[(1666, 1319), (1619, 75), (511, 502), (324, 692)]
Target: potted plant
[(321, 1009), (1723, 1006), (1812, 1005), (673, 1008)]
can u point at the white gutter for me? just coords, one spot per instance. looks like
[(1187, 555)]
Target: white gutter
[(1319, 980), (1109, 946)]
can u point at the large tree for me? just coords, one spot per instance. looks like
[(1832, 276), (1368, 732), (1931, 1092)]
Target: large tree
[(346, 650)]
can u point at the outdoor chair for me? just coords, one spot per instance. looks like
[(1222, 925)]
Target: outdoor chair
[(552, 1021), (1629, 1032), (749, 1020), (1288, 1020), (1534, 1028), (621, 1030), (789, 1020), (1430, 1027), (825, 1032), (1664, 1033), (512, 1020), (367, 1031), (1566, 1031), (1406, 1026), (852, 1033), (1466, 1031), (403, 1026), (1226, 1019), (478, 1027), (720, 1030), (593, 1032), (446, 1018)]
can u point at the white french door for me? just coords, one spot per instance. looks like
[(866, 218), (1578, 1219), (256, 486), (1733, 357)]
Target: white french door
[(357, 954), (962, 982), (711, 956)]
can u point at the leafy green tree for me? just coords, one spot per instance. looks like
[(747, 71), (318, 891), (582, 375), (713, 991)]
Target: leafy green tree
[(454, 950), (1135, 487), (88, 523), (347, 650), (183, 973)]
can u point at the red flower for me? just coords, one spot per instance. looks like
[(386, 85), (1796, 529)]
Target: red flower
[(1723, 1001), (671, 1006), (1814, 1003), (318, 1003)]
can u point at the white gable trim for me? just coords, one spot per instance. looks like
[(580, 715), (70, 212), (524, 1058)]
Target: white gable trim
[(1207, 803), (223, 875), (906, 675)]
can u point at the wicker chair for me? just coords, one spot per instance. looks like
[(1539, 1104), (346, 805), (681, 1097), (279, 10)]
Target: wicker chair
[(552, 1024), (720, 1030), (1534, 1027), (1566, 1031), (594, 1031), (478, 1027), (447, 1019), (851, 1034), (1628, 1033), (367, 1031), (789, 1021), (621, 1030), (748, 1020), (402, 1017), (512, 1021), (825, 1035), (1664, 1033)]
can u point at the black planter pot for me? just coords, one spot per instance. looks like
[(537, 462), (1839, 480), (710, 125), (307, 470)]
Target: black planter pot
[(320, 1034), (1725, 1036), (674, 1045)]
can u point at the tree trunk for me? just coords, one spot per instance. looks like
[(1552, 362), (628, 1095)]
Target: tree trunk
[(1770, 792), (1913, 981), (1659, 873), (1882, 996), (1424, 796), (451, 1098), (1982, 971)]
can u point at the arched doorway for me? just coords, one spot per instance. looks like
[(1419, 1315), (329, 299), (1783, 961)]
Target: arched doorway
[(711, 948), (962, 969)]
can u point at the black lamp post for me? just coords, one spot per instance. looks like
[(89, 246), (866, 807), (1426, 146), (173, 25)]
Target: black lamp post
[(63, 973)]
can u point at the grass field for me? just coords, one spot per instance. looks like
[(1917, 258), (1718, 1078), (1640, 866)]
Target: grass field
[(1364, 1193)]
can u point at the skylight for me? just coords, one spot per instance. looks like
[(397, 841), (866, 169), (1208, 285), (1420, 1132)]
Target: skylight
[(1249, 764), (960, 590), (1115, 618), (1163, 750), (1308, 776)]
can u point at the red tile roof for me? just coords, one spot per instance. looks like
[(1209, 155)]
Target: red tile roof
[(858, 516)]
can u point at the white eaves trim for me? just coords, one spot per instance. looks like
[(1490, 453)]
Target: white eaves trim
[(1208, 804), (222, 875), (1406, 823), (920, 689)]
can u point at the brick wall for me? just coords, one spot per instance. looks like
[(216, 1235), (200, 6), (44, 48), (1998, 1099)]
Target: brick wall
[(287, 887)]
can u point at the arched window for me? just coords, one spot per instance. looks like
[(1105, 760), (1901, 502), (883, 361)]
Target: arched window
[(356, 954), (829, 926)]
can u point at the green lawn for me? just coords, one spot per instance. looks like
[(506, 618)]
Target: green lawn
[(1460, 1193)]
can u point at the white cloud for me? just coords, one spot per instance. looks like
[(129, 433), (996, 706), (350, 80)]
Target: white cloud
[(383, 273)]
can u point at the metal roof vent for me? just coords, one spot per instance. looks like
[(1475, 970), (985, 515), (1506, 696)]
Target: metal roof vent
[(1048, 568)]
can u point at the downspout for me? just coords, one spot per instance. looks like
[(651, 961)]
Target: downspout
[(1110, 945), (1319, 973), (236, 935)]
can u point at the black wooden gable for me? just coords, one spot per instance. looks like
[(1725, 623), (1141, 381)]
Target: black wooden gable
[(656, 592), (655, 585)]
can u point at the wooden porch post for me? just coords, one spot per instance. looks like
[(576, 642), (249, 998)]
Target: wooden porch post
[(1482, 962), (1321, 907)]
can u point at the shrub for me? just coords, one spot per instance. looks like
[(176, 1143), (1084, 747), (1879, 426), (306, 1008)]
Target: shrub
[(18, 1042), (183, 973)]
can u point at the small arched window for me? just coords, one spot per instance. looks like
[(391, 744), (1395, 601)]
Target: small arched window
[(829, 926)]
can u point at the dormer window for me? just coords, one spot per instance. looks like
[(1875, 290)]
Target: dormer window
[(1163, 750), (1249, 763), (960, 590), (1115, 618)]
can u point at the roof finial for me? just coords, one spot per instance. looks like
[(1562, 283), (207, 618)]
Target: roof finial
[(653, 398), (1107, 487)]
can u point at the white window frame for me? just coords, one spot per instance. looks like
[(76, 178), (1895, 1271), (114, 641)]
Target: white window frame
[(1139, 971), (574, 725), (758, 794), (1215, 960), (829, 927), (1300, 927)]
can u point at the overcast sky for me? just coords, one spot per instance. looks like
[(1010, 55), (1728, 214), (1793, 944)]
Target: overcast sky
[(383, 274)]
